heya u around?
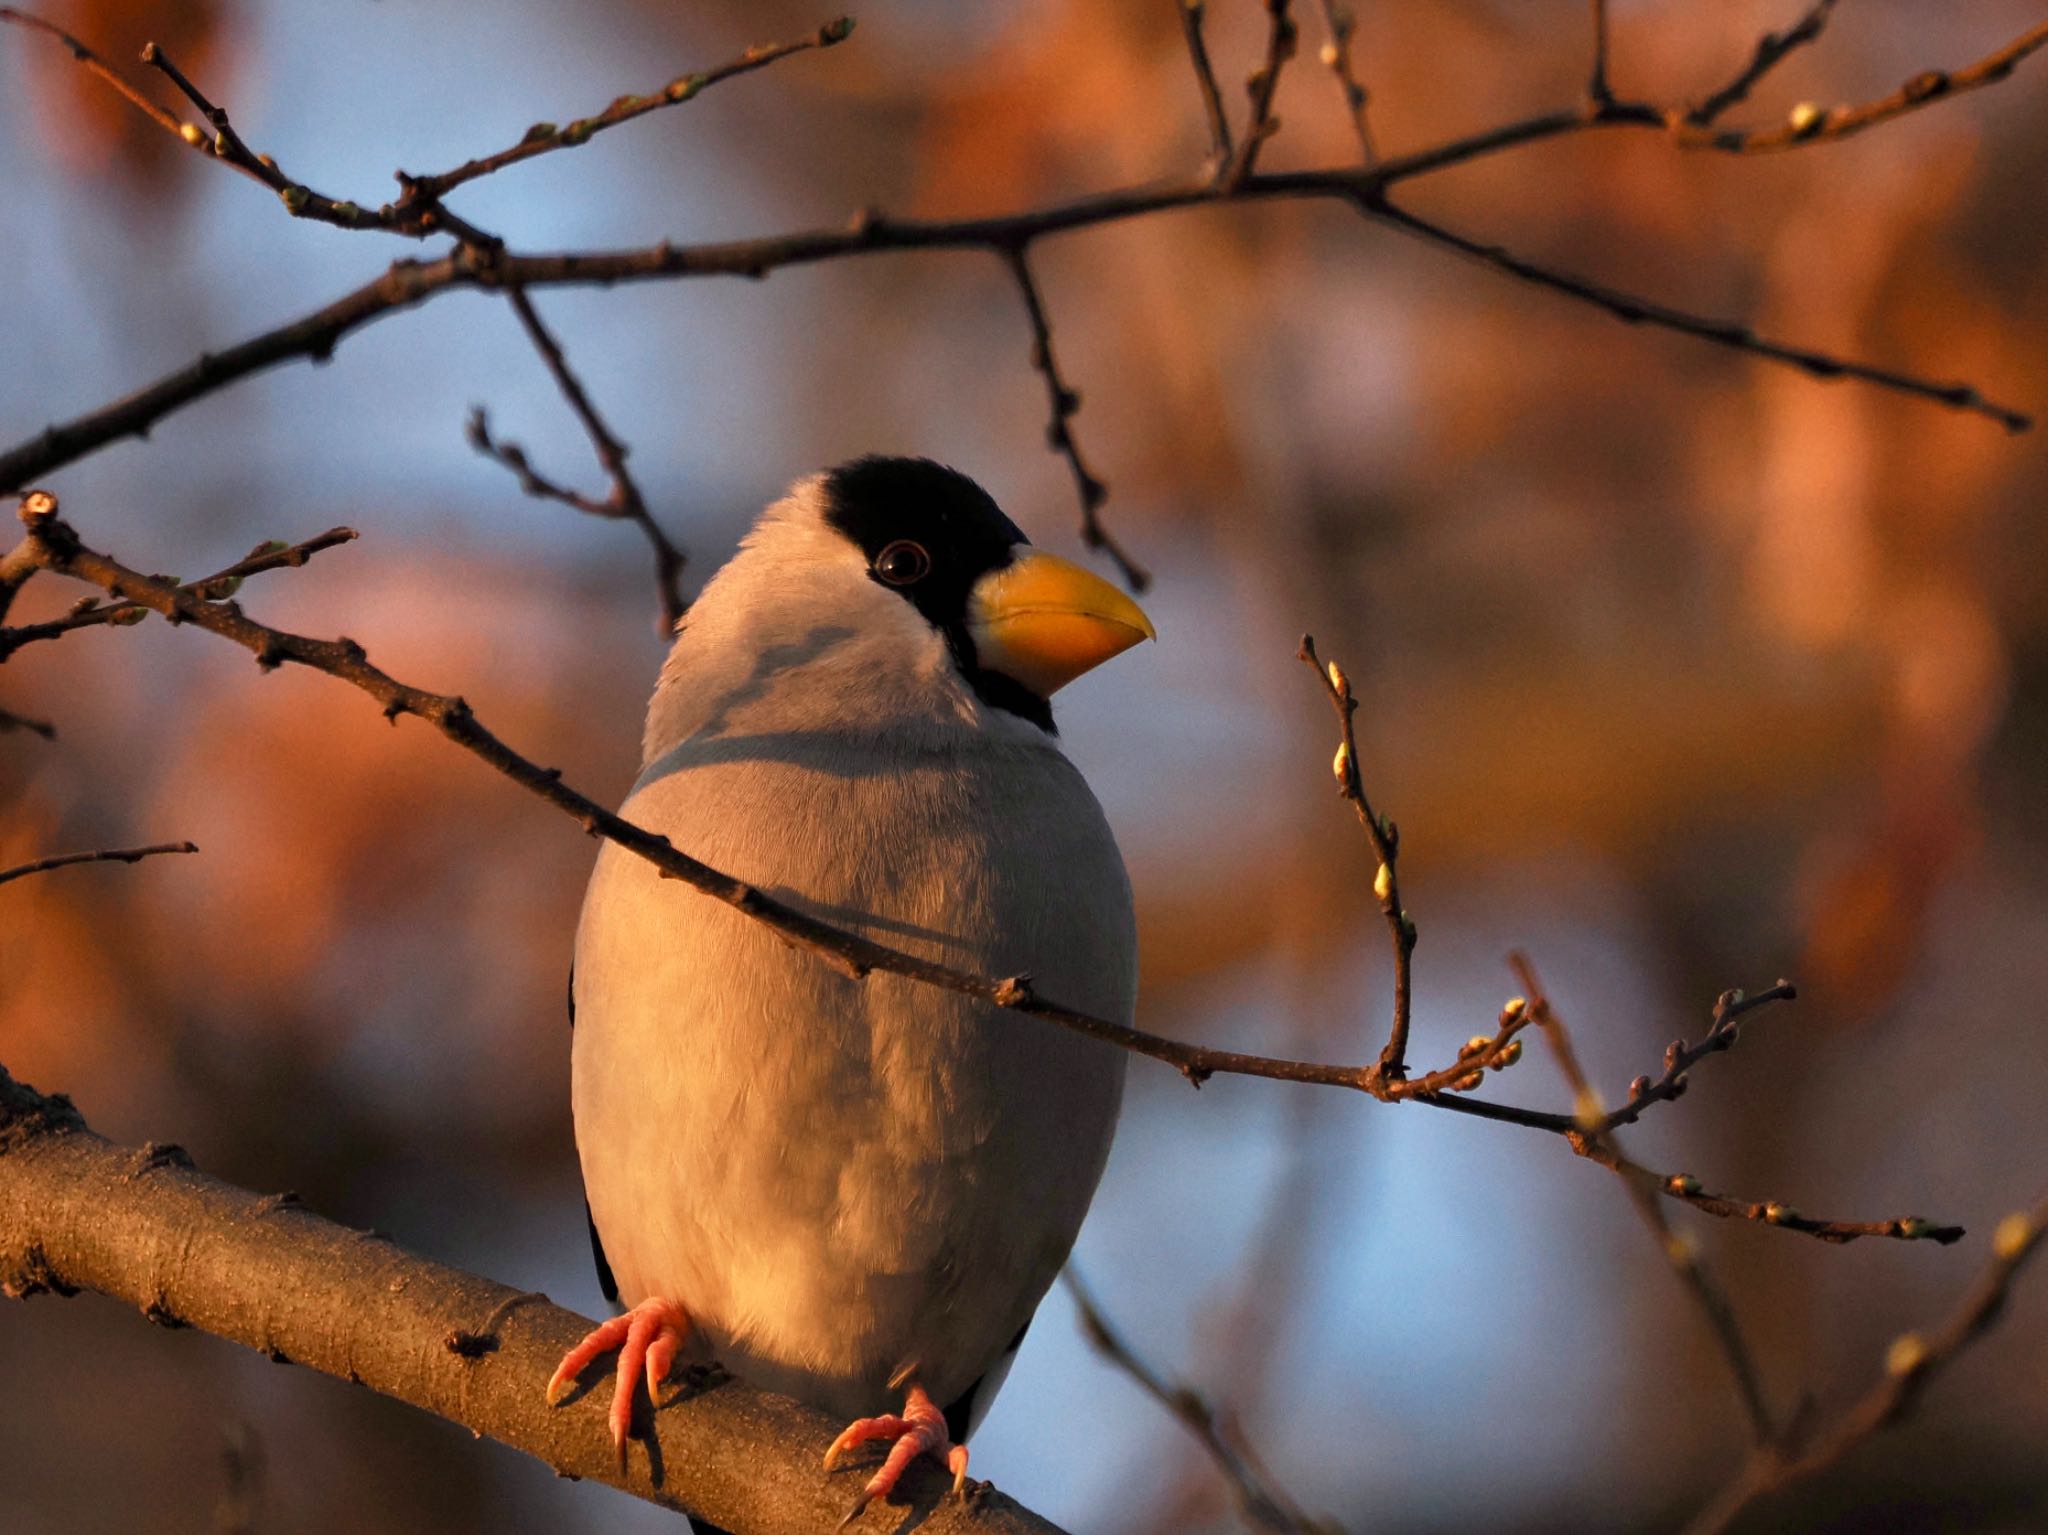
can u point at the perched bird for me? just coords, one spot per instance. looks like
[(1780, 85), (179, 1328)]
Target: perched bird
[(855, 1192)]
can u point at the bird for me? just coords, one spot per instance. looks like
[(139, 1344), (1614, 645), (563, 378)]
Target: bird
[(855, 1192)]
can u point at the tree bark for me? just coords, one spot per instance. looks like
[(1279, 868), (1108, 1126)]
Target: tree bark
[(78, 1212)]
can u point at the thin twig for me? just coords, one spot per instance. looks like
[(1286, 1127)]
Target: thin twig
[(1342, 24), (1912, 1364), (268, 555), (1598, 90), (1264, 82), (1385, 838), (1770, 51), (1063, 402), (1681, 1252), (625, 502), (1263, 1505), (103, 855), (1636, 310), (1809, 124), (1191, 13), (418, 212), (10, 722), (544, 138)]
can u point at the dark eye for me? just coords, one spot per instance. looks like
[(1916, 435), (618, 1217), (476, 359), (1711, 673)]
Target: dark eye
[(903, 562)]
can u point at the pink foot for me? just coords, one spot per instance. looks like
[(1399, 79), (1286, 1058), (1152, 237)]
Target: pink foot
[(920, 1431), (647, 1338)]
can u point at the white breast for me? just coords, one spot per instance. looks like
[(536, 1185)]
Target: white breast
[(837, 1179)]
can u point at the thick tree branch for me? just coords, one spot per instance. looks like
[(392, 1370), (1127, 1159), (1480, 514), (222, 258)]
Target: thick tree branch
[(104, 855), (10, 721), (138, 1224)]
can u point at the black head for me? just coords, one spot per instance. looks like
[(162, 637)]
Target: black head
[(928, 534)]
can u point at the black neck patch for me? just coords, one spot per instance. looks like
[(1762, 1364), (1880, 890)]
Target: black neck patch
[(874, 502)]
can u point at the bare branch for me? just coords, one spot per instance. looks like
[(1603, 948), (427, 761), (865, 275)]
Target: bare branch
[(1063, 402), (1912, 1364), (1281, 37), (1809, 124), (10, 722), (1262, 1505), (625, 501), (544, 138), (1341, 23), (1635, 310), (140, 1225), (57, 547), (266, 556), (105, 855), (418, 211), (1598, 90), (177, 128), (1681, 1252), (1386, 844), (1191, 12), (1771, 50)]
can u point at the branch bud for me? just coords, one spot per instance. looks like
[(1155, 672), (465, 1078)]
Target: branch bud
[(294, 198), (1340, 765), (1682, 1183), (1803, 118), (1513, 1009), (1907, 1354), (1339, 681), (1587, 1110), (1509, 1056), (2013, 1236), (1383, 882), (192, 134), (1780, 1214), (1330, 55)]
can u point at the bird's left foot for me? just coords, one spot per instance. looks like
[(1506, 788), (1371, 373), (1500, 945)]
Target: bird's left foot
[(647, 1338), (921, 1430)]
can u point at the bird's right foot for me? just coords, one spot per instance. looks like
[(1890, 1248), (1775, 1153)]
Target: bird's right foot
[(647, 1338)]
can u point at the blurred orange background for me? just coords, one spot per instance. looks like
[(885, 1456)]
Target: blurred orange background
[(1681, 671)]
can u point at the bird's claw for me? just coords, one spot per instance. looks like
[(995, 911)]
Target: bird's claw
[(647, 1338), (921, 1430)]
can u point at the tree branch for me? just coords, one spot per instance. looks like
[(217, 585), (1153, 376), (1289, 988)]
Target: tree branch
[(1912, 1364), (1681, 1252), (138, 1224), (1771, 50), (105, 855), (1062, 402), (1634, 310), (1341, 24), (1386, 844), (1281, 36), (269, 555), (1191, 12), (1808, 124), (1260, 1503), (625, 502), (57, 547)]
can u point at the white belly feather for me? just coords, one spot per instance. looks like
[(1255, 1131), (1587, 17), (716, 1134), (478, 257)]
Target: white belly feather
[(839, 1180)]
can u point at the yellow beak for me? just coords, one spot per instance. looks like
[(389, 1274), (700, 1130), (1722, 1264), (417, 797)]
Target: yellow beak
[(1042, 621)]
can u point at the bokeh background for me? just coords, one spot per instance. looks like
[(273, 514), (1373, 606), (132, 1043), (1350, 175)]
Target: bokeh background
[(1681, 672)]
